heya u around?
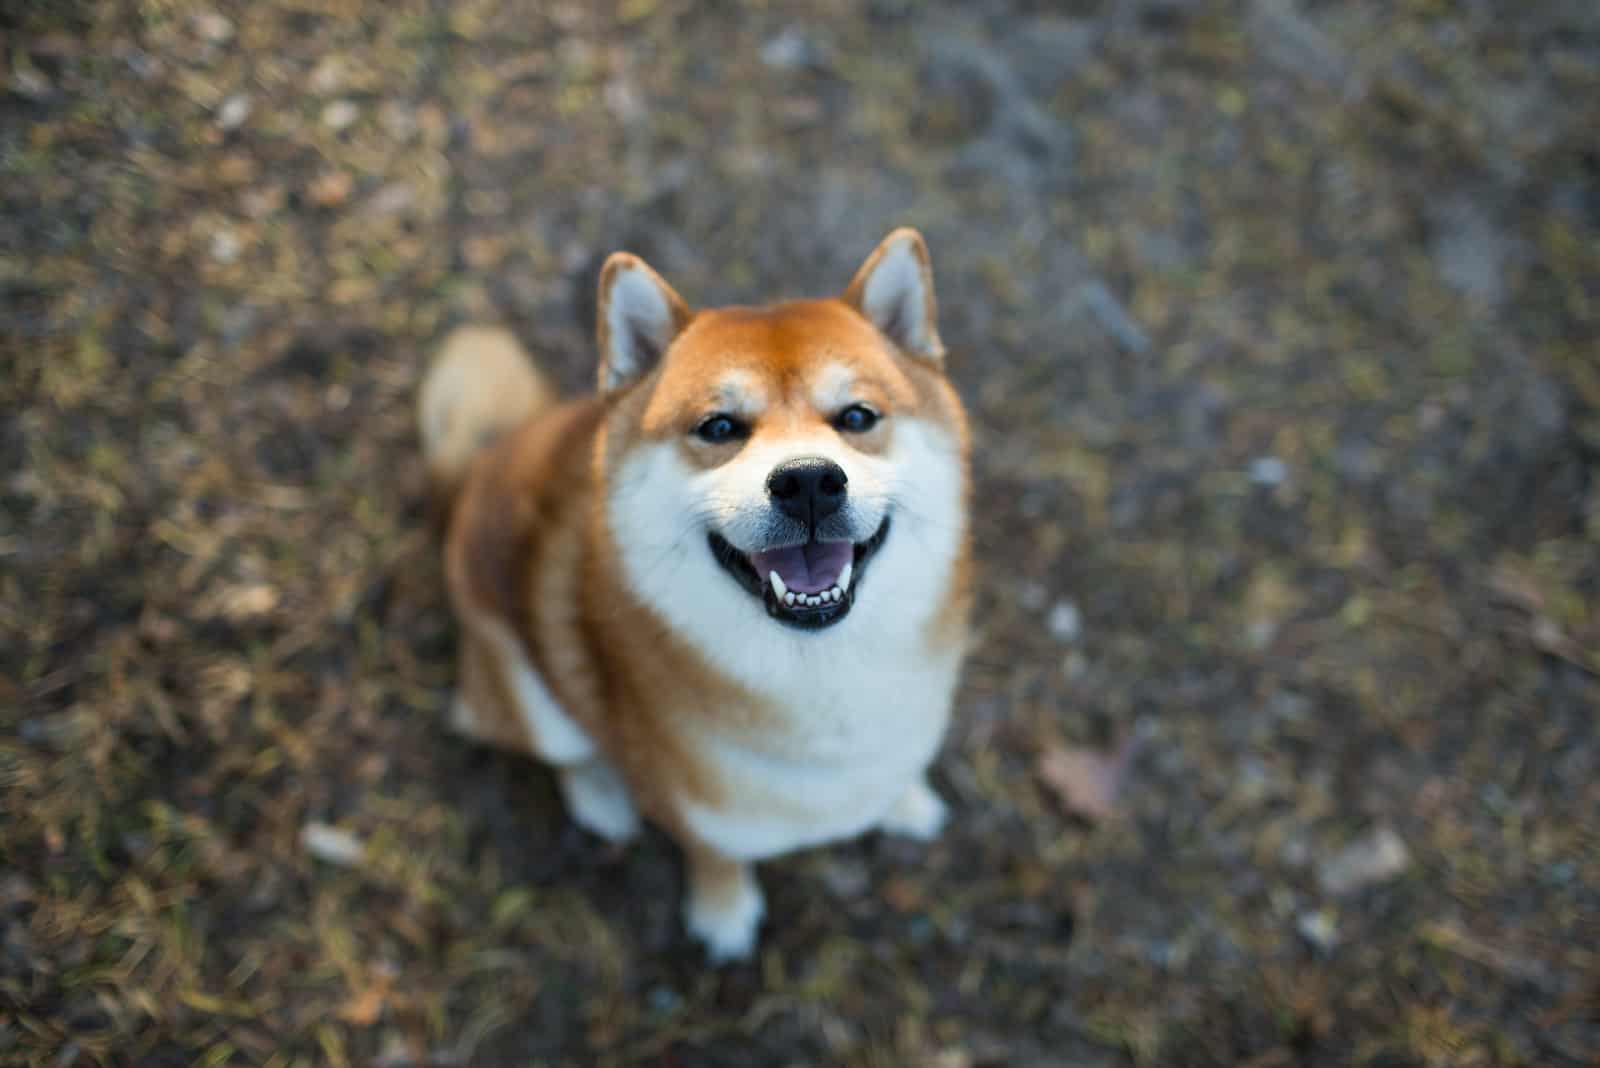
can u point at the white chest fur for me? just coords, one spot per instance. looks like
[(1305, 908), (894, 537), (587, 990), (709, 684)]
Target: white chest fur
[(848, 745), (861, 705)]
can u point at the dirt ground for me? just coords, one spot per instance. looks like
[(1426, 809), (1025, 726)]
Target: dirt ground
[(1280, 323)]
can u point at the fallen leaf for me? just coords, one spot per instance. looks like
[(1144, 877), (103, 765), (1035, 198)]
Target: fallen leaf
[(242, 603), (902, 895), (1088, 780), (331, 189), (364, 1009)]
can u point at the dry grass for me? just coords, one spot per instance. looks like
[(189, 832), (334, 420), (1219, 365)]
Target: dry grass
[(1281, 341)]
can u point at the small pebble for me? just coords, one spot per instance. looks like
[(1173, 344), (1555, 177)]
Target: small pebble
[(1259, 634), (234, 111), (225, 247), (624, 101), (1376, 858), (340, 115), (327, 76), (1066, 622), (331, 844), (1318, 928), (337, 397), (789, 50), (213, 27), (1268, 471)]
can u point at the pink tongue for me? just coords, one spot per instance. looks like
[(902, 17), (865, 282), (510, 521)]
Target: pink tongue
[(809, 568)]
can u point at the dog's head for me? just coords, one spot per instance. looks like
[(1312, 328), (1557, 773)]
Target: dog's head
[(805, 459)]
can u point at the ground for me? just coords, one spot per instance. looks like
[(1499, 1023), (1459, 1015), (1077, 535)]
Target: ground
[(1278, 321)]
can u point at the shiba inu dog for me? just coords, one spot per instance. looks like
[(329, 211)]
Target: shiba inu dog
[(729, 591)]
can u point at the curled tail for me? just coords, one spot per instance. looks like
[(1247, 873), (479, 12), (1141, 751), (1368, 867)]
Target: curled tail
[(480, 384)]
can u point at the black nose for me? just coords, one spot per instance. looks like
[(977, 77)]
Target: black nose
[(809, 489)]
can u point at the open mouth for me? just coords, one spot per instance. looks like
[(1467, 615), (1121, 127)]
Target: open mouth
[(808, 586)]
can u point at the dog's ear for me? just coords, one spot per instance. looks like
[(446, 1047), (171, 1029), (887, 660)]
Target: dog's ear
[(639, 315), (894, 290)]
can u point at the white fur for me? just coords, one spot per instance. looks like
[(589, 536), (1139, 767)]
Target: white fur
[(596, 797), (919, 813), (597, 800), (864, 701), (729, 933), (639, 322), (896, 300), (552, 733), (740, 393), (834, 388)]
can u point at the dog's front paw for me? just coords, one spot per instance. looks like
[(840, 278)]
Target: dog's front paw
[(597, 800), (726, 920), (917, 814)]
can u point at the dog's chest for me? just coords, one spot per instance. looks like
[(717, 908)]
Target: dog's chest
[(836, 750)]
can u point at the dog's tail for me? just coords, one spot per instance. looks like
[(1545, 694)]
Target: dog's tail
[(480, 384)]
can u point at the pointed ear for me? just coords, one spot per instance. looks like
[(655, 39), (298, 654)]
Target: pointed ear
[(639, 315), (894, 290)]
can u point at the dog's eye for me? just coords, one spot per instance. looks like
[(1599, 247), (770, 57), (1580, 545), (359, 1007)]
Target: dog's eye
[(856, 419), (720, 428)]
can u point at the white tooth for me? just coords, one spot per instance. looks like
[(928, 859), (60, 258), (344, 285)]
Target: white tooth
[(777, 585), (844, 576), (813, 601), (836, 593), (788, 598)]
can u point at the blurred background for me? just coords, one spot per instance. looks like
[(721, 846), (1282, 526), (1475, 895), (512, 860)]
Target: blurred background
[(1278, 321)]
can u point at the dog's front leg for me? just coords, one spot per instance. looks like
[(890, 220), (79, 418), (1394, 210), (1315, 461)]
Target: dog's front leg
[(917, 813), (724, 905), (597, 800)]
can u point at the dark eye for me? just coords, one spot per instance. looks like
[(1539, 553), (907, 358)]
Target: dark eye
[(856, 419), (720, 428)]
